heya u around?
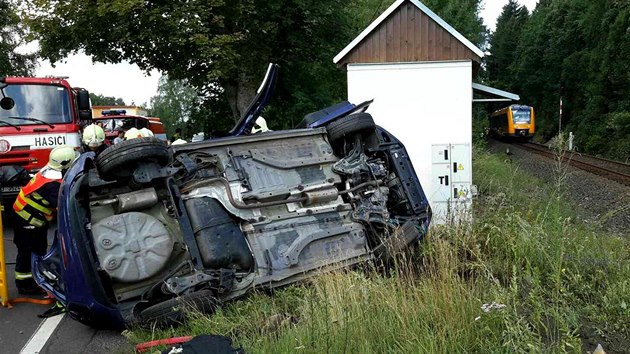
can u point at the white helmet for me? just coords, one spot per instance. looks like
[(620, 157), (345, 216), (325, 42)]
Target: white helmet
[(260, 126), (62, 157), (93, 135), (132, 134), (179, 142), (146, 132)]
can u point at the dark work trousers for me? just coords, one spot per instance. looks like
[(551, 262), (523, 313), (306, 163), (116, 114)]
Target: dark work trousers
[(28, 239)]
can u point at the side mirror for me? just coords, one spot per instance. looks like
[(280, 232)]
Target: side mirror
[(83, 102), (85, 115), (7, 103)]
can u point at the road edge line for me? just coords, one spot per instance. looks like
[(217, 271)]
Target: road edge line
[(43, 332)]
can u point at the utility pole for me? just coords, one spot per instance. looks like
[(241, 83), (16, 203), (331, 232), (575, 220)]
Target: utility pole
[(560, 116)]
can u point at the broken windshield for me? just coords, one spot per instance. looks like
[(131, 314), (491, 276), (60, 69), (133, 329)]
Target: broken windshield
[(45, 103), (116, 124)]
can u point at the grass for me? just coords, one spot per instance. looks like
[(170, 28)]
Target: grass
[(565, 287)]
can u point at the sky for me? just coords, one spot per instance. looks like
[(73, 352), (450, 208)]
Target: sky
[(122, 80), (492, 10), (127, 81)]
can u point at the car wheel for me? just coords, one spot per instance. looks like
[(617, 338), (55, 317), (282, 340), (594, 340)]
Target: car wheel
[(349, 125), (120, 160), (174, 311)]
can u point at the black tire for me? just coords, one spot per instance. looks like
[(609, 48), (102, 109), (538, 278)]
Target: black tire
[(174, 311), (121, 160), (349, 125)]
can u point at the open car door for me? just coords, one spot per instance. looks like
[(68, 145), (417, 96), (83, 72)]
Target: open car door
[(263, 95)]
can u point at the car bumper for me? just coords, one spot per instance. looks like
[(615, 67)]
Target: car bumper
[(69, 270)]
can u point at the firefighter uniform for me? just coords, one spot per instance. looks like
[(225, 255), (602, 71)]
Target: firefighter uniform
[(35, 207), (97, 150)]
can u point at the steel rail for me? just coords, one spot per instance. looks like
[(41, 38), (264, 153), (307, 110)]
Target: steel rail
[(621, 167), (574, 161)]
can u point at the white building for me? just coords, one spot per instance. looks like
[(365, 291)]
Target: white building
[(419, 70)]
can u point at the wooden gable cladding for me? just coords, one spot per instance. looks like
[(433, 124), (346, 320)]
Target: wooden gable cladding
[(407, 35)]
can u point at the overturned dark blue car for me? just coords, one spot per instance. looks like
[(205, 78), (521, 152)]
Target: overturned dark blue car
[(146, 230)]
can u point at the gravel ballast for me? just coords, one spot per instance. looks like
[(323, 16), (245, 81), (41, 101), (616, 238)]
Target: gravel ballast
[(598, 200)]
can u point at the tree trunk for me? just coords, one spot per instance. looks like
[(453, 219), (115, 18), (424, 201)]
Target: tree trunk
[(240, 94)]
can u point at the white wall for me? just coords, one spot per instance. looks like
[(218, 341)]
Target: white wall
[(422, 104)]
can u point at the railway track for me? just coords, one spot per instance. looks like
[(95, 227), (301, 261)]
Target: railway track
[(613, 170)]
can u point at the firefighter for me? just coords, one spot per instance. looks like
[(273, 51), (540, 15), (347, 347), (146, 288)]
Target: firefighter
[(179, 142), (35, 207), (133, 133), (176, 136), (260, 126), (146, 133), (120, 138), (93, 139)]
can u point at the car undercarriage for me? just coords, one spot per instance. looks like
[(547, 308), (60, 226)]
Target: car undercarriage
[(144, 227)]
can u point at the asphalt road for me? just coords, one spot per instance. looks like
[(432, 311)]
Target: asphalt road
[(18, 324)]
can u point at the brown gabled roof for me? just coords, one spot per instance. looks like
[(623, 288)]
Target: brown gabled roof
[(408, 31)]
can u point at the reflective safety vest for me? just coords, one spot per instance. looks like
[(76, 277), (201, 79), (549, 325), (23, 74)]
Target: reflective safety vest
[(31, 206)]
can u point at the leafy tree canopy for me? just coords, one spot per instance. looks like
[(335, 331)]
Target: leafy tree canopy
[(577, 49), (510, 26), (11, 35), (178, 105), (100, 100), (221, 48)]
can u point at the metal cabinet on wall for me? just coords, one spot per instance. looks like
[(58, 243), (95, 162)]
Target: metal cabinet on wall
[(451, 179)]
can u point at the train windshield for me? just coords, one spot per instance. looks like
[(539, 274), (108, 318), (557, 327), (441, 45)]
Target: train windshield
[(37, 104), (521, 115)]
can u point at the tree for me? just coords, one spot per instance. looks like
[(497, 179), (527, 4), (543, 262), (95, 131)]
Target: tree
[(178, 105), (216, 46), (510, 26), (577, 49), (11, 37), (173, 103), (463, 15), (100, 100), (222, 48)]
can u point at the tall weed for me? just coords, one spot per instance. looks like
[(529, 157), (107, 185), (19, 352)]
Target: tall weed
[(523, 277)]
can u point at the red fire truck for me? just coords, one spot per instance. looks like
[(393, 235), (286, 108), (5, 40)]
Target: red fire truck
[(36, 115), (114, 120)]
